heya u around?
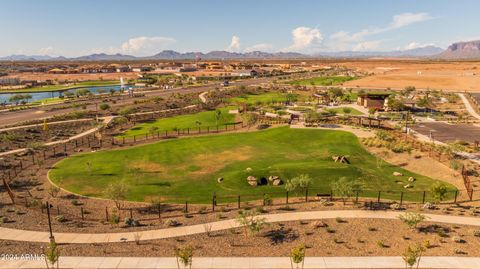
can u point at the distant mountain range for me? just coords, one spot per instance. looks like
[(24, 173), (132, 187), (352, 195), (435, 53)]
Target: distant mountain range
[(460, 50)]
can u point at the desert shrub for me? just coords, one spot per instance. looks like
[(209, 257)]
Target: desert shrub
[(53, 190), (412, 219), (251, 223), (104, 106), (60, 218)]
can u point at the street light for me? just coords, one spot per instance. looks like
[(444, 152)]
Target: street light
[(52, 238)]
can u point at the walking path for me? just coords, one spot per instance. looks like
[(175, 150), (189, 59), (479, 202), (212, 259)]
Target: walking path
[(469, 107), (106, 121), (247, 262), (82, 238), (41, 124)]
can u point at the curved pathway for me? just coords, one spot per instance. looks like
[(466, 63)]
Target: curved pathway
[(82, 238)]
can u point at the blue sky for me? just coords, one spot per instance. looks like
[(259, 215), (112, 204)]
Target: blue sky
[(145, 27)]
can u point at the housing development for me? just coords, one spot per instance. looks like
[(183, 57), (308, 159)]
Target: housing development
[(339, 150)]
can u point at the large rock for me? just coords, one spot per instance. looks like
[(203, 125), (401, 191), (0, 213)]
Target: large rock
[(397, 174), (411, 179), (273, 178), (252, 181), (220, 179), (277, 182)]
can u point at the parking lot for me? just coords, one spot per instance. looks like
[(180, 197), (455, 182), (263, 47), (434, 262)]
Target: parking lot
[(445, 132)]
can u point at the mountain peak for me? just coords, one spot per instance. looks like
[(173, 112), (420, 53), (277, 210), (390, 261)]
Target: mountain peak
[(462, 50)]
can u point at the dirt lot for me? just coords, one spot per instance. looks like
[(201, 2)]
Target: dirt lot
[(397, 74)]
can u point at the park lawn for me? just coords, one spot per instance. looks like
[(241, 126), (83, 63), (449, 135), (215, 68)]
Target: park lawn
[(187, 168), (339, 110), (263, 98), (205, 118), (53, 88), (322, 81)]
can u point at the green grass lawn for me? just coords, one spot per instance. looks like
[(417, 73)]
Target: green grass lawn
[(322, 81), (206, 118), (270, 97), (52, 88), (339, 110), (187, 168)]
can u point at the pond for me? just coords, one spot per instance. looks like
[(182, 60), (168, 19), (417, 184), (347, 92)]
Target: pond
[(36, 96)]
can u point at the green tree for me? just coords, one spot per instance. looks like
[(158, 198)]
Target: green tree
[(347, 110), (251, 222), (299, 183), (345, 188), (52, 255), (218, 116), (117, 192), (439, 191), (184, 256), (412, 256), (249, 119), (297, 256)]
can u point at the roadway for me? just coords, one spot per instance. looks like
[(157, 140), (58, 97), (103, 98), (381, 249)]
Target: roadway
[(15, 117)]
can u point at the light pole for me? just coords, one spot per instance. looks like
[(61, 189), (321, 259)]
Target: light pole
[(52, 238)]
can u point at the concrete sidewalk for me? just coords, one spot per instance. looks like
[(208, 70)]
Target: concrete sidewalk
[(83, 238), (246, 262)]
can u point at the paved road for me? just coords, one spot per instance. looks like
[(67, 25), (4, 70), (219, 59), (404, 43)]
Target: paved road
[(248, 262), (13, 117), (82, 238), (446, 132)]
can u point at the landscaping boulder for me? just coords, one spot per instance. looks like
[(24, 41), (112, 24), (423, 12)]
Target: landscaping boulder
[(220, 179), (248, 169), (397, 174), (408, 186), (277, 182), (262, 181), (428, 205), (411, 179), (273, 178), (252, 181), (395, 206)]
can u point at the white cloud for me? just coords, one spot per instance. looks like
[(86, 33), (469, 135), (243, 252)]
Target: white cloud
[(304, 37), (234, 44), (146, 45), (367, 45), (260, 47), (344, 40), (415, 45), (46, 51), (405, 19)]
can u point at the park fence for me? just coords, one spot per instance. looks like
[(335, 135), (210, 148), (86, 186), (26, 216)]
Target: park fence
[(259, 201)]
